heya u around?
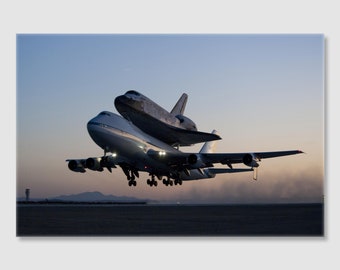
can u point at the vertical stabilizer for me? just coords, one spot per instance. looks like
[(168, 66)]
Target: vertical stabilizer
[(209, 147), (180, 105)]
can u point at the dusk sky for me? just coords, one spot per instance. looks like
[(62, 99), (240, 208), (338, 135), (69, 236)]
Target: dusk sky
[(260, 92)]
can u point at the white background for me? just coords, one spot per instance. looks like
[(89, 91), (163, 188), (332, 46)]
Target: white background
[(167, 17)]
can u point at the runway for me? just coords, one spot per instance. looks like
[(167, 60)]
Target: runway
[(170, 220)]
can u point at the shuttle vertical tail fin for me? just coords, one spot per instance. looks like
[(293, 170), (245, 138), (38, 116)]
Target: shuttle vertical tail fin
[(209, 147), (180, 105)]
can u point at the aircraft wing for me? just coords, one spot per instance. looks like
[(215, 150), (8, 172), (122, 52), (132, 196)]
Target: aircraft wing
[(203, 160), (231, 158)]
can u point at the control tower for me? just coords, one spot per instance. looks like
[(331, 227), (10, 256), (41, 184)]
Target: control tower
[(27, 193)]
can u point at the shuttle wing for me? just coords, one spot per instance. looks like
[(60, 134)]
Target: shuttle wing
[(183, 137), (170, 134)]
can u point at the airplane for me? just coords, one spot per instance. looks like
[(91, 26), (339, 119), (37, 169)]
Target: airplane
[(134, 151), (173, 128)]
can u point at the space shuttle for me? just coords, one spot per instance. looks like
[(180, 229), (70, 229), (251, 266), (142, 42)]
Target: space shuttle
[(172, 127)]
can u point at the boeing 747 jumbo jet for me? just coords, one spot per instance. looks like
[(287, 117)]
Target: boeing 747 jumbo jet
[(130, 148), (172, 128)]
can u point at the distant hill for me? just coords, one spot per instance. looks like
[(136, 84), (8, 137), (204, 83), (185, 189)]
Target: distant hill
[(95, 197)]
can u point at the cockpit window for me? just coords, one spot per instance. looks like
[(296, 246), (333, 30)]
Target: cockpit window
[(133, 92), (104, 113)]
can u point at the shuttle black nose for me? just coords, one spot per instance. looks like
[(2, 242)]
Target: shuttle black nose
[(123, 103), (119, 101)]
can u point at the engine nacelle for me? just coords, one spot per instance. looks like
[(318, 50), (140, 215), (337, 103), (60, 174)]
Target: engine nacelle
[(94, 164), (76, 166), (195, 161), (107, 161), (250, 160), (186, 123)]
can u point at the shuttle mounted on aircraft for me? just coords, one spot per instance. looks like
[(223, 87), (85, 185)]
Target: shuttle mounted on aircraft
[(134, 150), (170, 127)]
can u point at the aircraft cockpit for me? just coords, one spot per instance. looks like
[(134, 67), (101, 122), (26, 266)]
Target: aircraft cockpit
[(132, 92)]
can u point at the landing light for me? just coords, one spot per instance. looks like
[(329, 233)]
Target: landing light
[(114, 154), (162, 153)]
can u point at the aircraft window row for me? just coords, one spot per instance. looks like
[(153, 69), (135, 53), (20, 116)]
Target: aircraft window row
[(98, 124), (107, 126)]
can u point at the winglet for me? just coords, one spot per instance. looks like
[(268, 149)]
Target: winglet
[(180, 105)]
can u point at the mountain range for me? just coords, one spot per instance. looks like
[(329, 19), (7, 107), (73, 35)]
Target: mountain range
[(94, 196)]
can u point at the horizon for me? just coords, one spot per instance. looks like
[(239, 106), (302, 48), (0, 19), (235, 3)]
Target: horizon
[(108, 198)]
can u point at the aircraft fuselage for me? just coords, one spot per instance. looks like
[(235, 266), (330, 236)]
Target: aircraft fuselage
[(127, 142)]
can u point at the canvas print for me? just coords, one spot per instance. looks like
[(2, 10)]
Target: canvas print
[(170, 135)]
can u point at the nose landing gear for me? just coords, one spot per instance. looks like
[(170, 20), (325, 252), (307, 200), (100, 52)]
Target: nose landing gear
[(130, 175)]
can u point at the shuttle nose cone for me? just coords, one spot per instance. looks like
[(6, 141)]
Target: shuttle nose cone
[(120, 102), (125, 104)]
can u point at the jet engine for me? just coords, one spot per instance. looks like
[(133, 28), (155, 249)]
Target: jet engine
[(107, 161), (76, 166), (250, 160), (195, 161), (186, 123), (94, 164)]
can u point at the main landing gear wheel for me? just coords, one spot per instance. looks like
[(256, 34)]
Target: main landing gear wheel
[(132, 183), (130, 175), (168, 182), (152, 182), (178, 182)]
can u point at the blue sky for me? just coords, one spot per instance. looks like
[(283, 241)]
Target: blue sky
[(261, 92)]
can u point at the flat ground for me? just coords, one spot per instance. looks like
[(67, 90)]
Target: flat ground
[(166, 220)]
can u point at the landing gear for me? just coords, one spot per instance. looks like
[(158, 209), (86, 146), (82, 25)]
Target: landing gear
[(168, 182), (152, 182), (131, 176), (178, 182), (132, 183)]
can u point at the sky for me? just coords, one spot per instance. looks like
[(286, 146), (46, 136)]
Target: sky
[(260, 92)]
